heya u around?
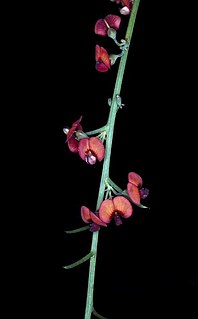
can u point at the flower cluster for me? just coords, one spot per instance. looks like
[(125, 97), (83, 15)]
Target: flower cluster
[(118, 206), (90, 149), (113, 203), (108, 26)]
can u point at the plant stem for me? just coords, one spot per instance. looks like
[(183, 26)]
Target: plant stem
[(106, 163), (80, 261), (99, 130), (78, 230)]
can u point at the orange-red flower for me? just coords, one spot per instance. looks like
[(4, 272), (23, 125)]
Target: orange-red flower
[(115, 208), (103, 62), (71, 139), (134, 188), (103, 25), (91, 149), (90, 218)]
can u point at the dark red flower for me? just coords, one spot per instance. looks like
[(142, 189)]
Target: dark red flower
[(91, 149), (103, 62), (115, 208), (90, 218), (71, 138), (134, 188), (103, 25)]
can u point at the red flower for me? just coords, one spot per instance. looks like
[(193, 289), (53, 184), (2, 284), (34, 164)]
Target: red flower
[(91, 149), (71, 140), (103, 62), (90, 218), (127, 6), (110, 21), (134, 188), (114, 208)]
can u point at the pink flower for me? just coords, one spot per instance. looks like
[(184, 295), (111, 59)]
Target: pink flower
[(91, 149), (111, 21), (115, 208), (71, 139), (90, 218), (134, 188), (103, 62)]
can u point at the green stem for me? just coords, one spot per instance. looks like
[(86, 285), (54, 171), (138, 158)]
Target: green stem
[(116, 187), (80, 261), (99, 130), (96, 314), (77, 230), (106, 163)]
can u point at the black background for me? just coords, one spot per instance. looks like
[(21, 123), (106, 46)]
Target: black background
[(148, 265)]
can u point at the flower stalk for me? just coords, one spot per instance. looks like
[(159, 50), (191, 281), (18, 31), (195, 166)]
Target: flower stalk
[(89, 309)]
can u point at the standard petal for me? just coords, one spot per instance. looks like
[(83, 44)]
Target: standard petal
[(104, 57), (97, 52), (113, 21), (135, 179), (83, 147), (134, 193), (85, 214), (101, 27), (122, 206), (106, 210), (97, 147), (73, 144), (97, 220)]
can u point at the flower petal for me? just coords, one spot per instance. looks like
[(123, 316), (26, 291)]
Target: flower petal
[(76, 123), (97, 52), (75, 126), (106, 210), (113, 21), (97, 220), (125, 10), (70, 132), (104, 57), (85, 214), (127, 3), (101, 67), (122, 206), (73, 144), (83, 147), (97, 147), (101, 27), (135, 179), (134, 193)]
